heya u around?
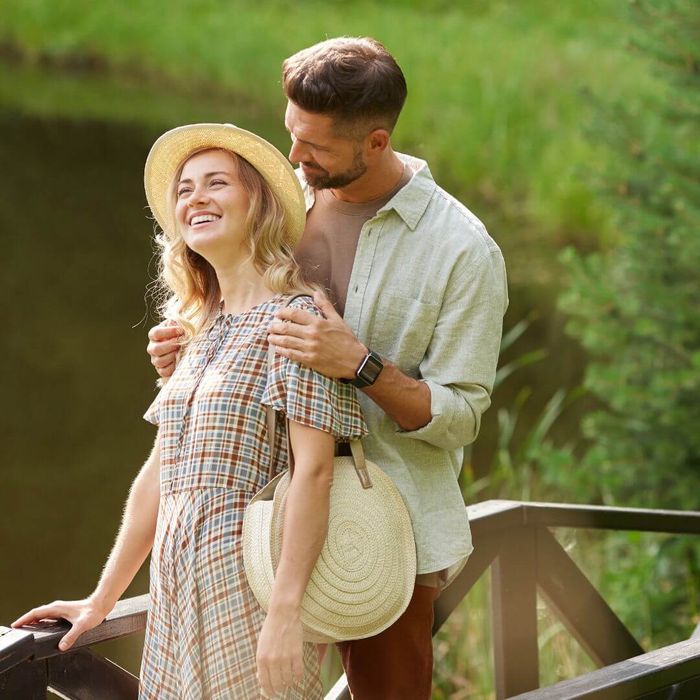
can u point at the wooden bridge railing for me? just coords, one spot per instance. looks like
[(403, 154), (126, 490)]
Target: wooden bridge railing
[(511, 538)]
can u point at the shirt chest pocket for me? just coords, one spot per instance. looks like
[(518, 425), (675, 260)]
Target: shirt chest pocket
[(402, 330)]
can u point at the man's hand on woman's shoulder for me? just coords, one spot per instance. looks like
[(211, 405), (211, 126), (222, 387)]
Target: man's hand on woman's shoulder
[(163, 347)]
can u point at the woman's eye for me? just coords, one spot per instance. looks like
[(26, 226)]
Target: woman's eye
[(182, 191), (218, 182)]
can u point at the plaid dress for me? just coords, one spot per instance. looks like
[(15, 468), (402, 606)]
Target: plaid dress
[(203, 621)]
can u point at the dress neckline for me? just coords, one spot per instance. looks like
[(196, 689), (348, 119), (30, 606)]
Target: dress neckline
[(223, 315)]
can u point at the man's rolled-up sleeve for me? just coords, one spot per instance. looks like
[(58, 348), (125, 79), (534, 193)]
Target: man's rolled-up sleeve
[(460, 364)]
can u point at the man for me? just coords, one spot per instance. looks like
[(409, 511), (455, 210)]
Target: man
[(417, 295)]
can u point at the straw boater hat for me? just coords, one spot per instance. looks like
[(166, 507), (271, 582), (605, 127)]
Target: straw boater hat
[(174, 146)]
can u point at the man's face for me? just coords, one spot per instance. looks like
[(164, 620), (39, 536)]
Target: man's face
[(327, 159)]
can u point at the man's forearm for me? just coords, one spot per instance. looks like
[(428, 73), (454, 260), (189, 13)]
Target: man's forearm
[(330, 347), (404, 399)]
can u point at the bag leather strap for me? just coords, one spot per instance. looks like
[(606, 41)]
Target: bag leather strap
[(358, 453)]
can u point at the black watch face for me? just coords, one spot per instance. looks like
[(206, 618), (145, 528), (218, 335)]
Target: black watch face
[(371, 368)]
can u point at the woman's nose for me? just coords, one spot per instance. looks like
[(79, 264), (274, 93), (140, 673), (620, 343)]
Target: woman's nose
[(199, 194)]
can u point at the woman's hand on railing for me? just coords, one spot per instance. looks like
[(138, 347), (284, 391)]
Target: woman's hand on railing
[(82, 614)]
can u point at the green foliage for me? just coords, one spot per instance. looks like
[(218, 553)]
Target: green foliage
[(526, 463), (495, 98), (463, 661), (635, 308)]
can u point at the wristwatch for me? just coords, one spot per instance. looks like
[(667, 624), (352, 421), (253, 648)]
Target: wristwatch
[(368, 371)]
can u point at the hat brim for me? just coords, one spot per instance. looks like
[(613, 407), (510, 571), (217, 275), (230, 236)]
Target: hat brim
[(172, 148)]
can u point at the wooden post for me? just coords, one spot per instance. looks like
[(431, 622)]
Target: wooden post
[(514, 614), (26, 680), (476, 565), (84, 675), (576, 602)]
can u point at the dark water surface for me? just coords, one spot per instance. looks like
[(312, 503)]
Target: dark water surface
[(74, 381), (74, 376)]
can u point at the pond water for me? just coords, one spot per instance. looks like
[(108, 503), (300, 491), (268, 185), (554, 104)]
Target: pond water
[(76, 260)]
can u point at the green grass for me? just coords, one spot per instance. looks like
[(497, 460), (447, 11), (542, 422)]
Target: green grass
[(496, 89)]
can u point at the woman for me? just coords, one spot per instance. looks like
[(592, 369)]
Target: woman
[(231, 209)]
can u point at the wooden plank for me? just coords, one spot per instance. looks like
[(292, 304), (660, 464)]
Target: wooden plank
[(608, 518), (15, 647), (514, 614), (25, 681), (495, 516), (580, 606), (485, 551), (632, 678), (128, 617), (84, 675), (492, 508)]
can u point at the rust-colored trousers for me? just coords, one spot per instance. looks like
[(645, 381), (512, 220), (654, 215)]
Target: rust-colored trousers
[(396, 664)]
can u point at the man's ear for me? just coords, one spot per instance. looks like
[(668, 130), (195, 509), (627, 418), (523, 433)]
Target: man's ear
[(378, 140)]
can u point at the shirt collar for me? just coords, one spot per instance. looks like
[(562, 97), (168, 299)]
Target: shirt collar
[(410, 202)]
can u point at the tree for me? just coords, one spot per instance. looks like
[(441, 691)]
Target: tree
[(636, 308)]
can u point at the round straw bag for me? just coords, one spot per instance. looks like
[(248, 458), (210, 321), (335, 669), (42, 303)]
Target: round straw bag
[(364, 576)]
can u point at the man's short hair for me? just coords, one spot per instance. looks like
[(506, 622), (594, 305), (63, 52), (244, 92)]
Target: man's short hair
[(354, 80)]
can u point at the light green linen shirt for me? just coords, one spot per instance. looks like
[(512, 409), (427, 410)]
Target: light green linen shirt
[(428, 292)]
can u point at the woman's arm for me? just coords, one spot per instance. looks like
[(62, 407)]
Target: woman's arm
[(279, 655), (133, 543)]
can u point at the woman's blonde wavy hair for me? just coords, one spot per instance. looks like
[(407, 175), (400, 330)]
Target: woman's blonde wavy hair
[(188, 291)]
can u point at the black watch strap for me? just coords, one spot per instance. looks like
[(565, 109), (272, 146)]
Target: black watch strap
[(368, 371)]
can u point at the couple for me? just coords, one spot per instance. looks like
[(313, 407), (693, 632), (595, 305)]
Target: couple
[(416, 293)]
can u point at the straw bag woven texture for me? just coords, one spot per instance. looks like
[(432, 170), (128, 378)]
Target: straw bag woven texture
[(364, 576)]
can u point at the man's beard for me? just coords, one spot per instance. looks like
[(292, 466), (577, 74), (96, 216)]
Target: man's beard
[(325, 181)]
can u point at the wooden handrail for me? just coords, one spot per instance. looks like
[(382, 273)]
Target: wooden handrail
[(511, 537), (609, 518), (633, 678)]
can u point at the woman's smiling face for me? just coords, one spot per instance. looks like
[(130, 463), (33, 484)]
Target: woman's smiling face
[(211, 205)]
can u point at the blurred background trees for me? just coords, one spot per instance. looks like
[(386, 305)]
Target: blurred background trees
[(636, 307)]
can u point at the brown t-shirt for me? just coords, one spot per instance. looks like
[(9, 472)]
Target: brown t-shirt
[(326, 251)]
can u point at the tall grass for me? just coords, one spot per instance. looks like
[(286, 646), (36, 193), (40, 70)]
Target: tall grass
[(497, 89)]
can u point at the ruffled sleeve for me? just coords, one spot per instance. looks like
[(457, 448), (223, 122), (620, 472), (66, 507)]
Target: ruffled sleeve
[(152, 414), (312, 399)]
